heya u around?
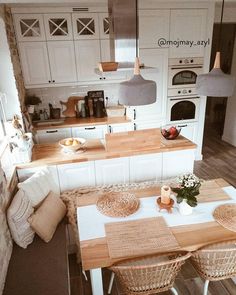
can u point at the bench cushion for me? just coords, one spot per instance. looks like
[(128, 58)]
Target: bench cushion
[(41, 269)]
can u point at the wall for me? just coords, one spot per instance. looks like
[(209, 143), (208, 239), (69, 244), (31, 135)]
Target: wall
[(11, 80), (229, 134), (55, 94)]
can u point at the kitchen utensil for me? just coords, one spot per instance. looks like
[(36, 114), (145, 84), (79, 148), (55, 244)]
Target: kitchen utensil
[(71, 106)]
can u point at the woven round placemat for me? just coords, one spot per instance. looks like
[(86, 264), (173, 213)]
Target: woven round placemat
[(120, 204), (226, 216)]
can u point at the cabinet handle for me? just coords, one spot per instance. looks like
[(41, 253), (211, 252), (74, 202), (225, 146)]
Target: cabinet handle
[(135, 126), (104, 78), (110, 129), (90, 128), (100, 78), (49, 81), (52, 131), (181, 126), (53, 81), (134, 114)]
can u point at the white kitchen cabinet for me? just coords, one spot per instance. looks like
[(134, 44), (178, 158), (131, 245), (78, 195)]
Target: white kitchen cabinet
[(188, 130), (177, 162), (29, 27), (105, 50), (76, 175), (58, 26), (114, 128), (103, 25), (87, 53), (141, 125), (112, 171), (153, 25), (158, 59), (90, 132), (52, 135), (146, 167), (34, 62), (188, 25), (62, 61), (85, 26)]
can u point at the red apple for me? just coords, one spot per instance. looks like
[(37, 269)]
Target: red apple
[(173, 130)]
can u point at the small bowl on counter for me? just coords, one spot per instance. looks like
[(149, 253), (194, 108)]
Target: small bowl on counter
[(170, 133), (72, 144)]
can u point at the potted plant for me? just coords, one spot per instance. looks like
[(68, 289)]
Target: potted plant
[(187, 189)]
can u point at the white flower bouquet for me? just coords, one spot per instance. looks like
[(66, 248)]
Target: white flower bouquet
[(187, 188)]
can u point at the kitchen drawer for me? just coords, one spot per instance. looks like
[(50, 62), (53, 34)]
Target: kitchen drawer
[(91, 131), (52, 135)]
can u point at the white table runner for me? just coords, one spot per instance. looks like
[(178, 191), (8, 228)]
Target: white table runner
[(91, 221)]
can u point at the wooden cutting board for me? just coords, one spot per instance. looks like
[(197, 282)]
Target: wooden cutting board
[(139, 237), (70, 105), (133, 140)]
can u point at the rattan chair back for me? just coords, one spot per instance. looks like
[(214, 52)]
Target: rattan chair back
[(151, 274), (217, 261)]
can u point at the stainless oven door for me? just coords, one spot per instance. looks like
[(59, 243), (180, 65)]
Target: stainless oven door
[(184, 109), (183, 77)]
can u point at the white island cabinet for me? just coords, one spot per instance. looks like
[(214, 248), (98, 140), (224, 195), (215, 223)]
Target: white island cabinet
[(177, 162), (146, 167), (76, 175), (112, 171)]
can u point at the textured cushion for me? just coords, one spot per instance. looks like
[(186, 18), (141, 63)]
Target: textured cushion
[(17, 216), (38, 186), (46, 218)]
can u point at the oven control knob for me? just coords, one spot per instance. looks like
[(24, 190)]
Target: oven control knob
[(179, 92), (189, 91), (191, 60), (184, 91), (180, 61)]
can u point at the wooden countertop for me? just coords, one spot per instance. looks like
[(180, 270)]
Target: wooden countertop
[(52, 154), (80, 122)]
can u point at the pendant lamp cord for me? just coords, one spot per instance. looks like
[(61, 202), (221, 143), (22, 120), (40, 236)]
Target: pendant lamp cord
[(136, 2), (221, 20)]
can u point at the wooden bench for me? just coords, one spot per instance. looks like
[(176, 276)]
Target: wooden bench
[(41, 269)]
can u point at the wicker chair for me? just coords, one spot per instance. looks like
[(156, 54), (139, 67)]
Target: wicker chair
[(215, 262), (151, 274)]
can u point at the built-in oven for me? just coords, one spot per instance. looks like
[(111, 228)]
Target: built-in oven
[(183, 72), (183, 105)]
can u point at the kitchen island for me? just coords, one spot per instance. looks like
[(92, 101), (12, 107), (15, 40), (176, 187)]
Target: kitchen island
[(93, 165)]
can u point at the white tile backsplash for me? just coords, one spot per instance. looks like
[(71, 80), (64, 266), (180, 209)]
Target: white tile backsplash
[(54, 95)]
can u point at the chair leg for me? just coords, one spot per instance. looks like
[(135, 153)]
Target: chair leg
[(206, 287), (111, 282), (174, 291)]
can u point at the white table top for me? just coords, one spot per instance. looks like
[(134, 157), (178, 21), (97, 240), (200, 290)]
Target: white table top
[(91, 221)]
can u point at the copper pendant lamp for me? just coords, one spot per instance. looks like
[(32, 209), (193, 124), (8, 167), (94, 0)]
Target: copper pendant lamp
[(216, 83), (137, 91)]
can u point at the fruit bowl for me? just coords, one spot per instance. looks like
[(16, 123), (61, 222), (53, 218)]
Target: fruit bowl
[(170, 133), (72, 144)]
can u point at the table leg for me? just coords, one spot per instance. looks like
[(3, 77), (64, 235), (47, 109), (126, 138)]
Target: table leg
[(96, 281)]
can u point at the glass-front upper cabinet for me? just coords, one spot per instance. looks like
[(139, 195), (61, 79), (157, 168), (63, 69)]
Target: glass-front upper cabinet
[(104, 25), (29, 27), (58, 26), (85, 26)]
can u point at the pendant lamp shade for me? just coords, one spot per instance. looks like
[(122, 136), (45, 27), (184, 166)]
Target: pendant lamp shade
[(215, 83), (137, 91)]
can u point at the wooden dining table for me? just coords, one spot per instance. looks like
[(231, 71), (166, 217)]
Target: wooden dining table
[(190, 237)]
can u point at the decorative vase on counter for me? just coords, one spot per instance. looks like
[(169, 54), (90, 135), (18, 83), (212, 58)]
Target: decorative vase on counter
[(184, 208)]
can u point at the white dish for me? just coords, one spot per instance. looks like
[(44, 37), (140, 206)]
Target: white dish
[(74, 147)]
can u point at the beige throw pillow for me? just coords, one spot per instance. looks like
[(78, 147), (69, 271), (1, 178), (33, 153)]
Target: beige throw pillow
[(17, 217), (46, 218)]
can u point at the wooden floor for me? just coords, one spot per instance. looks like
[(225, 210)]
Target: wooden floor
[(219, 160)]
